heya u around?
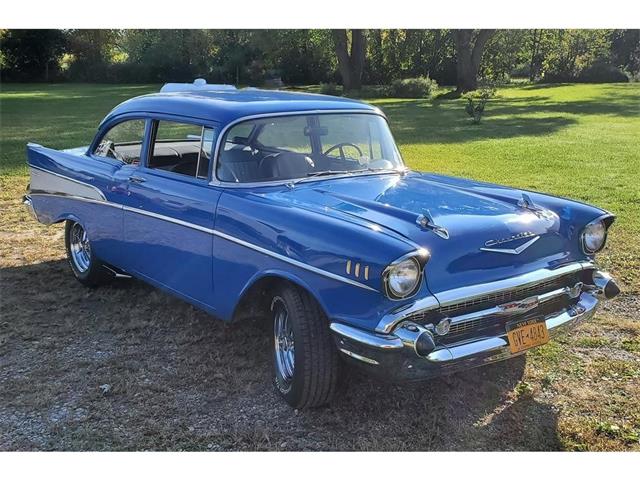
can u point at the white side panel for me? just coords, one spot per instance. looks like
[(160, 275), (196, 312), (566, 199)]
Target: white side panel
[(48, 182)]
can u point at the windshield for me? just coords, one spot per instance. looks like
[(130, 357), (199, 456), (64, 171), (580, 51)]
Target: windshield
[(304, 146)]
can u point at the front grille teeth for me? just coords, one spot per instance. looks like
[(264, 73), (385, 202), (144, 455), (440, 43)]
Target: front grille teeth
[(492, 300)]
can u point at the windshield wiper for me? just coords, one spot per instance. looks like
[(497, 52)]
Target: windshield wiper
[(323, 173)]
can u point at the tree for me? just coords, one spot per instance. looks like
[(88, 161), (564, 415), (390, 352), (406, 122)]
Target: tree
[(31, 55), (350, 63), (469, 47)]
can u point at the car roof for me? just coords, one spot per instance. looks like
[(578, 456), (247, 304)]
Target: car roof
[(227, 105)]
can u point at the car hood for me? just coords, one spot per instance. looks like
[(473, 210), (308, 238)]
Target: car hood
[(475, 215)]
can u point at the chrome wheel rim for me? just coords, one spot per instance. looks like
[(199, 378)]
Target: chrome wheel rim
[(284, 341), (80, 248)]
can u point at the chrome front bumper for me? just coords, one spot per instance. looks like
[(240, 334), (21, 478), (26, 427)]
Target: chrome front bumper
[(397, 355)]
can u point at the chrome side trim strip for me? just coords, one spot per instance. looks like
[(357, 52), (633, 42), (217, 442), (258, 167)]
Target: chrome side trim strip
[(147, 213), (220, 234), (34, 193), (47, 181), (292, 261)]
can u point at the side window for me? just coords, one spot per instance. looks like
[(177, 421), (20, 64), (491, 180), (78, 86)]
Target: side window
[(123, 142), (182, 148)]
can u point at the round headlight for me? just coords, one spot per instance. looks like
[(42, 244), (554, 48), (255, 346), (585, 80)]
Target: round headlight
[(403, 278), (594, 236)]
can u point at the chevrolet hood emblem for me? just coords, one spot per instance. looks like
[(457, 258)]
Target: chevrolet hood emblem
[(493, 245)]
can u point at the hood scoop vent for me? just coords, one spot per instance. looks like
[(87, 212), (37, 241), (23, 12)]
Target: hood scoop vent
[(426, 222)]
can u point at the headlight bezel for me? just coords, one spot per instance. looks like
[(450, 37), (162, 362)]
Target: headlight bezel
[(418, 258), (605, 222)]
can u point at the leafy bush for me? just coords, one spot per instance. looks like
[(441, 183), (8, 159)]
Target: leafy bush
[(418, 87), (372, 91), (476, 101), (602, 72), (330, 89)]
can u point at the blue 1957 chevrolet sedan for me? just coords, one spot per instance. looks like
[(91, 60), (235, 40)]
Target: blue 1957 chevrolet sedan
[(299, 208)]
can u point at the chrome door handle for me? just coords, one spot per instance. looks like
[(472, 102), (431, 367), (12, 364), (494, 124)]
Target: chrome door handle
[(135, 179)]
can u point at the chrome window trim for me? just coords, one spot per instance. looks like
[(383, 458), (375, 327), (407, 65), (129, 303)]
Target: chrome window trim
[(214, 177), (93, 146)]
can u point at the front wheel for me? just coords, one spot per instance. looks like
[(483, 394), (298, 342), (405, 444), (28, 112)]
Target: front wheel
[(86, 267), (305, 359)]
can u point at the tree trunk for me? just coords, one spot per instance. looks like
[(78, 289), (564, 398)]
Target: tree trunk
[(535, 45), (350, 63), (468, 56)]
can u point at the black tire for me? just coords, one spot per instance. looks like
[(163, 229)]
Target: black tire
[(92, 273), (316, 364)]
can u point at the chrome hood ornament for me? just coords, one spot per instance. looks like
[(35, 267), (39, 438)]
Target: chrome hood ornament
[(492, 245), (527, 204), (426, 221)]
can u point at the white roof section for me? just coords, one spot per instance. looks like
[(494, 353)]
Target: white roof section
[(198, 85)]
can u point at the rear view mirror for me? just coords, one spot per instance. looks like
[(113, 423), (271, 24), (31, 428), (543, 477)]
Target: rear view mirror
[(321, 131)]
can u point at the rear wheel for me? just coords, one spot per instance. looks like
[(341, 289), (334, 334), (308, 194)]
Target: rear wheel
[(86, 267), (304, 356)]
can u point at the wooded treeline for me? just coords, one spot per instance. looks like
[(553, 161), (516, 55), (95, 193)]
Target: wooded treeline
[(297, 57)]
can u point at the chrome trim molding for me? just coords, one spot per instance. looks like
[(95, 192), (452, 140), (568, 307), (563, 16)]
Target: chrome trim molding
[(513, 251), (362, 358), (34, 193), (390, 320), (450, 297), (382, 342), (505, 310), (46, 181), (28, 204), (220, 234), (499, 345), (297, 263), (461, 355)]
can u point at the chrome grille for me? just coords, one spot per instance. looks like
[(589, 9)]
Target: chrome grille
[(507, 296), (490, 301)]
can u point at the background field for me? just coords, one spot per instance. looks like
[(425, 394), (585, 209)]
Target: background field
[(128, 367)]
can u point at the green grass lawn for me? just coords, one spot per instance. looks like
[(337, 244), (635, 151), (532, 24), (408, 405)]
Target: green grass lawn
[(579, 141)]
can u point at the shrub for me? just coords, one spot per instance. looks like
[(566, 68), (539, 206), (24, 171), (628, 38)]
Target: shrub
[(476, 101), (602, 72), (372, 91), (418, 87), (330, 89)]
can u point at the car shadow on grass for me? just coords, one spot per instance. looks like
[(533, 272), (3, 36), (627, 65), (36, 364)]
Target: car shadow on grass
[(127, 367)]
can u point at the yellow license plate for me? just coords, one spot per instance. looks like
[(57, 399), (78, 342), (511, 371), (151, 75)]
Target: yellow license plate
[(525, 335)]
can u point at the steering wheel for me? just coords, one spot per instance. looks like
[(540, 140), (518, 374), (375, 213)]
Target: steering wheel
[(340, 146)]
